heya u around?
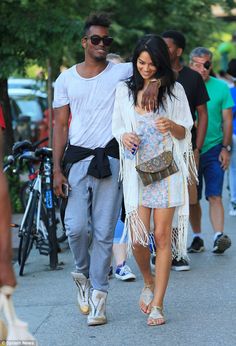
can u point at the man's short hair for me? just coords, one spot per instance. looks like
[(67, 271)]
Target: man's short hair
[(232, 68), (199, 52), (176, 36), (98, 19)]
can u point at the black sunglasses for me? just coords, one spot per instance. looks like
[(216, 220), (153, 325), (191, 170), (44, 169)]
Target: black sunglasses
[(206, 64), (96, 39)]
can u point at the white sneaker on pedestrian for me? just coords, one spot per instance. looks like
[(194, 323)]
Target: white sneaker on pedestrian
[(97, 313), (124, 273), (153, 264), (232, 211), (83, 285)]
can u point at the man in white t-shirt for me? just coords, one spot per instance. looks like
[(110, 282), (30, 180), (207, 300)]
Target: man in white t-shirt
[(85, 94)]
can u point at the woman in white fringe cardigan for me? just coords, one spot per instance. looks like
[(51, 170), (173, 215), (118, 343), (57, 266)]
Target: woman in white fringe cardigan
[(142, 136)]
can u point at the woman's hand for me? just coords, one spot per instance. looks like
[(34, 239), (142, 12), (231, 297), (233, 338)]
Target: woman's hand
[(164, 124), (130, 140)]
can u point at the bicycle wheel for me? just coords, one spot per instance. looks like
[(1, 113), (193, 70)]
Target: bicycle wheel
[(61, 233), (24, 194), (60, 229), (50, 222), (27, 237), (22, 241)]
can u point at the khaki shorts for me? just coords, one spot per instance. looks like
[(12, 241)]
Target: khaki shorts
[(192, 188)]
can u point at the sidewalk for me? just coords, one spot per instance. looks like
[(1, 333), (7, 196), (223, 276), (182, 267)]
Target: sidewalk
[(200, 304)]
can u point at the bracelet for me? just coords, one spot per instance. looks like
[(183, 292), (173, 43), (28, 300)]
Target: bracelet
[(227, 148), (158, 80)]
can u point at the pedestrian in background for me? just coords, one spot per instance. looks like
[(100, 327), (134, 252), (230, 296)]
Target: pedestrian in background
[(197, 96), (232, 167), (7, 276), (119, 249), (215, 154)]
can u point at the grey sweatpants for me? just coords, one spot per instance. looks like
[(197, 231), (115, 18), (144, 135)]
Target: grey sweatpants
[(93, 205)]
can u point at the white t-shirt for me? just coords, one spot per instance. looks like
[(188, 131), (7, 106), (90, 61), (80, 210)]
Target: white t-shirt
[(91, 102)]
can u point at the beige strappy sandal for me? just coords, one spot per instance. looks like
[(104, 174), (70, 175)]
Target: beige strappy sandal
[(156, 314), (146, 297)]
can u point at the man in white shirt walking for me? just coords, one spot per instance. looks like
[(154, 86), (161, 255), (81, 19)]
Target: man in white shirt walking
[(86, 91)]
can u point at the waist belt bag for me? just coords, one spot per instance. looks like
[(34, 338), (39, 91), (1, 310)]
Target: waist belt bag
[(157, 168)]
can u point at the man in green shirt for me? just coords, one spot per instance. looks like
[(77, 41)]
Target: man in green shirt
[(215, 153)]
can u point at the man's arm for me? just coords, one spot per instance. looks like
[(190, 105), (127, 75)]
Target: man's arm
[(60, 137), (202, 125), (149, 98), (7, 276), (224, 157)]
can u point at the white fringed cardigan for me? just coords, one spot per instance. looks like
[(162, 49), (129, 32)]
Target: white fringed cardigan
[(124, 120)]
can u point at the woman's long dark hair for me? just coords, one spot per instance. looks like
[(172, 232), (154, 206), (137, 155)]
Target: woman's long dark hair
[(158, 51)]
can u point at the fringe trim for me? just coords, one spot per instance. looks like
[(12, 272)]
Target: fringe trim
[(193, 173), (179, 238), (135, 231), (121, 153)]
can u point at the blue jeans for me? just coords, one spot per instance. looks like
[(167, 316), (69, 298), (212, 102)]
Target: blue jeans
[(211, 171), (118, 232)]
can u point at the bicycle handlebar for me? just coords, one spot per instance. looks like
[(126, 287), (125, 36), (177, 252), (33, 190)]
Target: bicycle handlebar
[(37, 143), (10, 161), (23, 150), (28, 155)]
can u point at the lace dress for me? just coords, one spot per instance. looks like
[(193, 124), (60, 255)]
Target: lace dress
[(153, 143)]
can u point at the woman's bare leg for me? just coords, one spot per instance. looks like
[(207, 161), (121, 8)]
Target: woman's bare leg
[(162, 232), (142, 256)]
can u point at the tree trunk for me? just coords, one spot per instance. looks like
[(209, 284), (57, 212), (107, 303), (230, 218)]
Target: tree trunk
[(50, 102), (8, 133)]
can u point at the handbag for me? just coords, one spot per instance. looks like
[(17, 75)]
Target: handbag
[(13, 331), (157, 168)]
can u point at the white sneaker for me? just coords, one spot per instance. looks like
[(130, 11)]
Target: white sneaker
[(83, 285), (97, 313), (153, 264), (124, 273)]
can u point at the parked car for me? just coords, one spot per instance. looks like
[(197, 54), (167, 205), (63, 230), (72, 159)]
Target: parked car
[(27, 107), (26, 83)]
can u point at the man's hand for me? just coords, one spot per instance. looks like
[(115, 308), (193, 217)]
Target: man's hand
[(224, 158), (130, 140), (196, 154), (58, 180), (149, 98)]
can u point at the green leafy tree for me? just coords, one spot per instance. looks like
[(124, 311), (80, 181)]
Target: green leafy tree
[(133, 19), (48, 32), (36, 30)]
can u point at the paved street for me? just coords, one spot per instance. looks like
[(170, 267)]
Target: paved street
[(200, 304)]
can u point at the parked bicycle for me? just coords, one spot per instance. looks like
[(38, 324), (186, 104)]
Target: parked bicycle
[(38, 225), (24, 196)]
